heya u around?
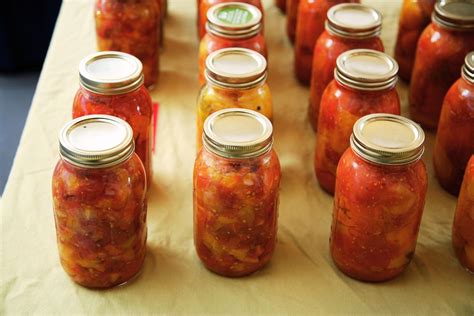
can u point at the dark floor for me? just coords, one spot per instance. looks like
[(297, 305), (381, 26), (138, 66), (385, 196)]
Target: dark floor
[(16, 93)]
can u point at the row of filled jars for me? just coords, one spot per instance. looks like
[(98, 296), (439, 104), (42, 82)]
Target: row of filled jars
[(135, 27)]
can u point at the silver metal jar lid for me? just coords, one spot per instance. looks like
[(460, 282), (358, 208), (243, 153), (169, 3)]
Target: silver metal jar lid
[(387, 139), (237, 133), (111, 73), (234, 20), (353, 20), (366, 69), (454, 14), (96, 141), (468, 68), (237, 68)]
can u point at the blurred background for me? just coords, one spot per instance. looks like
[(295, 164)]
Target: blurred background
[(25, 32)]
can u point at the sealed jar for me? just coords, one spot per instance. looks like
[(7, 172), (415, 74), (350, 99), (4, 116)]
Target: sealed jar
[(291, 18), (380, 195), (415, 16), (100, 208), (364, 83), (348, 26), (455, 137), (309, 25), (439, 57), (112, 83), (231, 24), (463, 232), (236, 182), (281, 4), (205, 5), (236, 78), (130, 26)]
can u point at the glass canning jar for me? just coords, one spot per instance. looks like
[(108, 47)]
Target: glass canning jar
[(463, 232), (380, 195), (99, 201), (309, 25), (112, 83), (348, 26), (291, 18), (130, 26), (205, 5), (236, 78), (440, 55), (281, 4), (455, 136), (232, 24), (415, 16), (364, 83), (236, 182)]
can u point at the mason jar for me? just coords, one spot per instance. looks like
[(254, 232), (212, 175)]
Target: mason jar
[(348, 26), (463, 234), (112, 83), (205, 5), (232, 24), (281, 4), (414, 17), (309, 25), (454, 143), (236, 182), (130, 26), (440, 54), (380, 195), (236, 78), (364, 83), (100, 208), (291, 18)]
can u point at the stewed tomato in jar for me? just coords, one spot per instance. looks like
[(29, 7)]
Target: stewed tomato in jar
[(455, 137), (236, 78), (205, 5), (228, 25), (440, 55), (364, 83), (291, 18), (348, 26), (130, 26), (309, 25), (236, 182), (415, 16), (463, 232), (281, 4), (99, 199), (380, 195), (112, 83)]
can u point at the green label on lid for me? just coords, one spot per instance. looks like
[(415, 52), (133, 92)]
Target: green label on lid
[(234, 15)]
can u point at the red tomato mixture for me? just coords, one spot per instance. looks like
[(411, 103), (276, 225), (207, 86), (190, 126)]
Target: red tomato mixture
[(235, 212), (100, 219), (291, 18)]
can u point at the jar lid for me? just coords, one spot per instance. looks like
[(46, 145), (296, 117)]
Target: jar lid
[(96, 141), (111, 72), (236, 68), (366, 69), (237, 133), (353, 20), (234, 20), (387, 139), (455, 14), (468, 68)]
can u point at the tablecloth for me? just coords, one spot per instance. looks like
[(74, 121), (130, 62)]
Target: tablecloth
[(300, 279)]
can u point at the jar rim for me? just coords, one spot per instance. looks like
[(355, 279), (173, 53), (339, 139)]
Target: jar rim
[(341, 17)]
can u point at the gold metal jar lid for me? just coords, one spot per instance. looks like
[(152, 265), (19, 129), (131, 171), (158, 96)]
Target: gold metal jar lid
[(387, 139), (237, 68), (352, 20), (454, 14), (96, 141), (366, 69), (237, 133), (111, 73), (234, 20), (468, 68)]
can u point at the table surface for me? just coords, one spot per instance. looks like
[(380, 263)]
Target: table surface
[(300, 279)]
